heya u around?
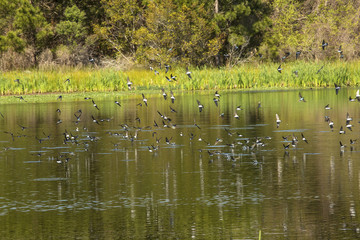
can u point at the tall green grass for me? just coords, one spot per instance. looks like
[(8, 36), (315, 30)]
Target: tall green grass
[(247, 76)]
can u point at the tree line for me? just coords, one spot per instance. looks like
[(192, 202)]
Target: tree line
[(179, 32)]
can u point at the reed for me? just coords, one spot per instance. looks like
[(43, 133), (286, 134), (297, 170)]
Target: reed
[(247, 76)]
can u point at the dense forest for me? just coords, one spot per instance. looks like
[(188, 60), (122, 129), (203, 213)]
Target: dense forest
[(48, 33)]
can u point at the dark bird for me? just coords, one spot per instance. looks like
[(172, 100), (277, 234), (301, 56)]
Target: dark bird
[(357, 95), (94, 104), (173, 77), (117, 103), (303, 138), (331, 124), (320, 69), (217, 94), (1, 115), (337, 88), (164, 94), (339, 50), (168, 79), (144, 99), (156, 72), (287, 54), (324, 44), (173, 110), (296, 72), (94, 120), (167, 67), (22, 127), (59, 98), (278, 121), (188, 73), (200, 105), (279, 69), (342, 131), (216, 101), (259, 105), (67, 80), (129, 83), (58, 111), (301, 98), (21, 98), (17, 81), (327, 107), (286, 146), (172, 97), (298, 54)]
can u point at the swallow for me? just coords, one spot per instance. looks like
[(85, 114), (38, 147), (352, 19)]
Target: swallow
[(67, 81), (164, 93), (303, 138), (94, 104), (172, 97), (156, 72), (337, 88), (22, 127), (301, 98), (297, 54), (129, 83), (331, 124), (278, 121), (144, 99), (117, 103), (17, 81), (21, 98), (259, 105), (320, 69), (348, 118), (279, 69), (188, 73), (173, 110), (59, 98), (327, 107), (200, 105), (324, 44), (217, 95), (342, 131), (58, 111), (357, 95), (167, 67), (285, 56), (341, 145), (216, 101), (94, 120), (173, 77), (236, 115), (339, 50)]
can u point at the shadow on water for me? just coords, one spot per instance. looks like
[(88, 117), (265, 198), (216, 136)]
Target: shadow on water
[(225, 172)]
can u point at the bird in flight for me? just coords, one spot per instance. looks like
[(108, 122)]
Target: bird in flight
[(200, 105), (279, 69), (129, 83), (324, 44), (188, 73)]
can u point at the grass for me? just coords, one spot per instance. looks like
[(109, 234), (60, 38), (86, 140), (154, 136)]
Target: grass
[(247, 76)]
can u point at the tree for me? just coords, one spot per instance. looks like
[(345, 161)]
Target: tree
[(31, 26)]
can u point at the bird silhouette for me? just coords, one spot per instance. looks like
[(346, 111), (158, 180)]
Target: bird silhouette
[(324, 44)]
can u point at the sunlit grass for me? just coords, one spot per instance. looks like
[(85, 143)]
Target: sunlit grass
[(247, 76)]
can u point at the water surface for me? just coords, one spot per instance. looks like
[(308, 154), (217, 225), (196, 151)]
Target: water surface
[(223, 178)]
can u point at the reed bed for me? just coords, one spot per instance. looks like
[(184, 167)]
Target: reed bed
[(247, 76)]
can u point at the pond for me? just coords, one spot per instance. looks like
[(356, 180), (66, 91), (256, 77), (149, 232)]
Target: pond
[(72, 170)]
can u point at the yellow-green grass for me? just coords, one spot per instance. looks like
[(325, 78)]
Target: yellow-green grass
[(246, 76)]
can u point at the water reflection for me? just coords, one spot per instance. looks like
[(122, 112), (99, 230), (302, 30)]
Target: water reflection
[(216, 176)]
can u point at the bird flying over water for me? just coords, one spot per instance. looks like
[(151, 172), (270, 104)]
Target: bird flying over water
[(200, 105), (172, 97), (144, 99), (278, 121), (337, 88), (94, 104), (302, 99)]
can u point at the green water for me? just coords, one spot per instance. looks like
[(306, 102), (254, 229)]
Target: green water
[(103, 183)]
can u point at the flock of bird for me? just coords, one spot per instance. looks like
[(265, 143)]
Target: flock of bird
[(130, 131)]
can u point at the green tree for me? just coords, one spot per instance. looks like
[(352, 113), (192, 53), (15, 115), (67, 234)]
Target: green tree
[(72, 28), (122, 19), (183, 34), (30, 25)]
